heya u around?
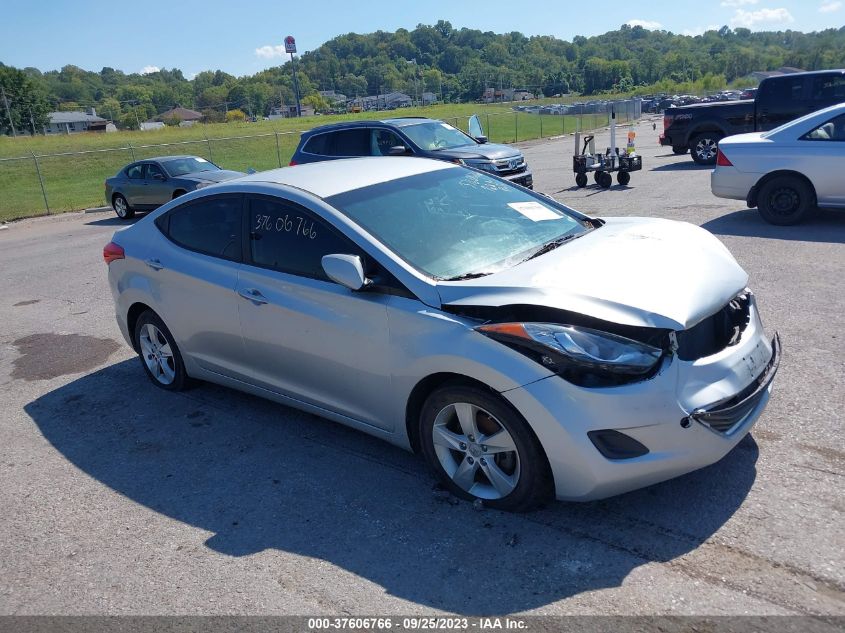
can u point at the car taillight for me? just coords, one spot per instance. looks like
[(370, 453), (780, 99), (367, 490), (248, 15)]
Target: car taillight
[(722, 160), (667, 121), (292, 163), (112, 251)]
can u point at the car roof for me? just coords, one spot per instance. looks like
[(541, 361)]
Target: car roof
[(331, 177), (343, 125), (166, 158)]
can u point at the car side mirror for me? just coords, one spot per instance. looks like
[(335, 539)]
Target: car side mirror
[(481, 139), (346, 270), (398, 150)]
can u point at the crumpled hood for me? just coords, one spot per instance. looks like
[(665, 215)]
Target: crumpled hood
[(213, 176), (490, 151), (633, 271)]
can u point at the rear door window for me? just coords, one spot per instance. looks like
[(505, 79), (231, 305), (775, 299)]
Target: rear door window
[(135, 172), (830, 88), (354, 142), (212, 226)]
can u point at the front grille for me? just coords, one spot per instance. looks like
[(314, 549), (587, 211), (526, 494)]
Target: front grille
[(717, 331), (508, 166)]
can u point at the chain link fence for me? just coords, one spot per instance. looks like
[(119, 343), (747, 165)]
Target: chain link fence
[(41, 184)]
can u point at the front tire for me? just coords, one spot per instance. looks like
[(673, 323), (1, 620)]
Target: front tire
[(159, 354), (623, 178), (480, 448), (121, 207), (785, 201), (581, 180), (704, 148)]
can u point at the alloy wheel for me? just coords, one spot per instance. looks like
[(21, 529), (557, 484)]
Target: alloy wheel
[(157, 354), (706, 149), (120, 207), (476, 451)]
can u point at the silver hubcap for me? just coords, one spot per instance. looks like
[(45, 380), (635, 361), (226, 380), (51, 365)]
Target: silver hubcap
[(157, 354), (120, 206), (706, 148), (476, 451)]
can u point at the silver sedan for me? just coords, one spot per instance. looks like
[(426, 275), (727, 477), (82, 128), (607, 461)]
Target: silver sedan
[(788, 171), (525, 349)]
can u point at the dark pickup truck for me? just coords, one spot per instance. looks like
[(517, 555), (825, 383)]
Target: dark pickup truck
[(779, 100)]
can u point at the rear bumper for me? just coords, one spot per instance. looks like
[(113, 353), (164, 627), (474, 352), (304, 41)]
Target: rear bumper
[(729, 182), (664, 140)]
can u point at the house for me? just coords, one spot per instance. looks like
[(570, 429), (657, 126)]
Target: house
[(151, 125), (428, 98), (333, 97), (73, 122), (182, 114), (389, 101), (289, 112)]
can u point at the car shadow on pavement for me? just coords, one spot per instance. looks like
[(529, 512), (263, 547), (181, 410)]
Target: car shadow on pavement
[(825, 225), (115, 221), (684, 165), (259, 475)]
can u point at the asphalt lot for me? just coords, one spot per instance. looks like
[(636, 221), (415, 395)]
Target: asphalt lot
[(119, 498)]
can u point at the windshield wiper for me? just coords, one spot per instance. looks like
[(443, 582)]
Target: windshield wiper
[(550, 246), (467, 276)]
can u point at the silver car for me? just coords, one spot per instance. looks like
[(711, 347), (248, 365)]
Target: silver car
[(788, 171), (525, 349)]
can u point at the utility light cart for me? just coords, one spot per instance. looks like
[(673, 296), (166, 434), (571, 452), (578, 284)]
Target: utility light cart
[(586, 160)]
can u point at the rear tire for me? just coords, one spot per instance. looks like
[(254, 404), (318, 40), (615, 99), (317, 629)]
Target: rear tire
[(159, 354), (704, 148), (623, 178), (581, 180), (785, 200), (606, 180), (121, 207), (480, 448)]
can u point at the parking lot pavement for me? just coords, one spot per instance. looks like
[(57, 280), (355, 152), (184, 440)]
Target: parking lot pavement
[(120, 498)]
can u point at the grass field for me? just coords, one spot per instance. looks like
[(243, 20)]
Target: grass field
[(74, 179)]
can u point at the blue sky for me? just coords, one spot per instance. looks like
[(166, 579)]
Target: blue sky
[(242, 38)]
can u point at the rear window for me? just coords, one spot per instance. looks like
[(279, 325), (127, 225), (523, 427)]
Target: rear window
[(318, 144), (212, 226)]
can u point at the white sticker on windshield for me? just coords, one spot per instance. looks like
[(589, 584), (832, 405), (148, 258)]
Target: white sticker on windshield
[(535, 211), (201, 160)]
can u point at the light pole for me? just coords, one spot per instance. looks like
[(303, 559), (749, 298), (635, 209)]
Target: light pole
[(290, 47)]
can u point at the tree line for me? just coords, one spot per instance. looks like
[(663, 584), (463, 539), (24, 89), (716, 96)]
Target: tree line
[(454, 64)]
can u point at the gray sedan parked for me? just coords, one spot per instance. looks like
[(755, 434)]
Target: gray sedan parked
[(150, 183)]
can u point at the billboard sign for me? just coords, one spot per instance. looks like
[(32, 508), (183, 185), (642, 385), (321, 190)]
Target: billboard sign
[(290, 44)]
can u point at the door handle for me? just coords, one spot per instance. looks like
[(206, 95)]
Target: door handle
[(253, 295), (154, 264)]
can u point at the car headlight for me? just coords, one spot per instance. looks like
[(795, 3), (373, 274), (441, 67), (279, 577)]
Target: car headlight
[(203, 185), (484, 165), (582, 355)]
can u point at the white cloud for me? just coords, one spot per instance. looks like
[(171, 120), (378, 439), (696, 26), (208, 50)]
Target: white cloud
[(750, 19), (701, 30), (646, 24), (738, 3), (829, 6), (269, 52), (146, 70)]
